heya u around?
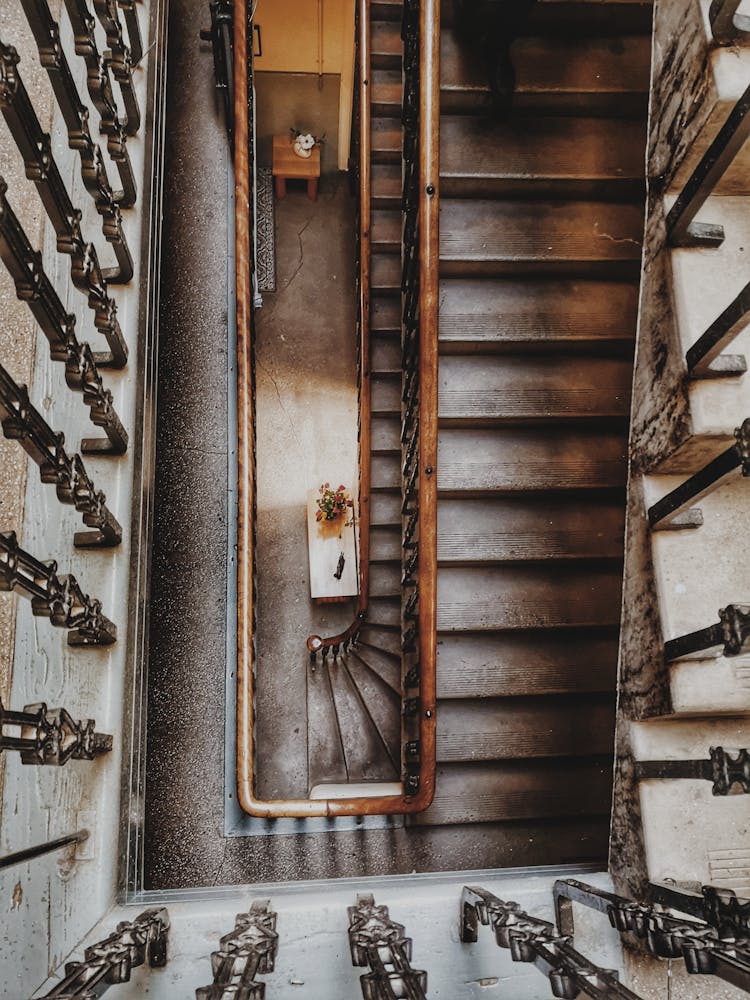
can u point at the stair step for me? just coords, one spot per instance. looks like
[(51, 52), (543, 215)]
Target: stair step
[(529, 529), (580, 17), (384, 611), (385, 140), (385, 543), (473, 599), (480, 237), (483, 391), (385, 312), (385, 354), (537, 315), (386, 230), (385, 580), (564, 157), (569, 76), (517, 790), (387, 644), (476, 461), (383, 703), (512, 664), (385, 473), (386, 92), (386, 395), (385, 185), (366, 757), (325, 753), (385, 273), (386, 47), (385, 436), (386, 10), (508, 728), (385, 508)]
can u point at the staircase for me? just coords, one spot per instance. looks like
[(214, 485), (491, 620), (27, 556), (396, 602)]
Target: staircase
[(541, 222)]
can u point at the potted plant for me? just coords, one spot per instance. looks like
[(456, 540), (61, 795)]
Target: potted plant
[(334, 506)]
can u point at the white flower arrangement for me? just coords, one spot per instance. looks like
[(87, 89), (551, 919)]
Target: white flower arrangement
[(304, 142)]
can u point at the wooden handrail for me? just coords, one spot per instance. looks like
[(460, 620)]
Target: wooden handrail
[(429, 213)]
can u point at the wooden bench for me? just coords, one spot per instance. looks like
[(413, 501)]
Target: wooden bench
[(288, 166), (327, 543)]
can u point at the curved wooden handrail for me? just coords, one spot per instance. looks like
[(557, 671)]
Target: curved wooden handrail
[(429, 215)]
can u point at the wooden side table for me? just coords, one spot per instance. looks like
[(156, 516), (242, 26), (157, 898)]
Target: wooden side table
[(332, 553), (288, 166)]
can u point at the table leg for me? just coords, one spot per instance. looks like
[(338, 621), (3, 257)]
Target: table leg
[(280, 187), (312, 189)]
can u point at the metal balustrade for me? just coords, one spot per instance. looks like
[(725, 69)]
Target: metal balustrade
[(50, 736), (707, 950), (34, 145), (538, 942), (21, 421), (220, 37), (39, 850), (112, 960), (728, 637), (674, 510), (379, 943), (705, 358), (728, 774), (59, 598), (246, 952), (727, 25)]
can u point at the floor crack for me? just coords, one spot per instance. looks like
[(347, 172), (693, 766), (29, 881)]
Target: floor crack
[(301, 260), (284, 410)]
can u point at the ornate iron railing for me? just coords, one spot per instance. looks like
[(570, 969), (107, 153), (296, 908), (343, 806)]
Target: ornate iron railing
[(540, 943), (728, 637), (246, 952), (379, 943), (728, 774), (50, 736)]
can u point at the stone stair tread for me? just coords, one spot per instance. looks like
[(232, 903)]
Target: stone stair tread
[(538, 314), (385, 272), (477, 599), (385, 395), (524, 529), (509, 460), (587, 155), (386, 45), (383, 703), (385, 508), (385, 435), (385, 580), (385, 543), (385, 140), (383, 645), (514, 664), (385, 185), (479, 236), (385, 314), (386, 91), (481, 390), (518, 728), (385, 233), (384, 611), (363, 748), (386, 10), (572, 75), (385, 355), (385, 665), (385, 473), (325, 754), (581, 17), (517, 790)]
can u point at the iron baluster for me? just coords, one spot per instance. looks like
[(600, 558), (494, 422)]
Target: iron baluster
[(130, 13), (81, 373), (50, 736), (727, 637), (41, 167), (682, 230), (727, 26), (665, 934), (113, 959), (59, 598), (674, 511), (378, 942), (249, 950), (22, 422), (704, 358), (39, 850), (120, 60), (538, 942), (719, 907), (220, 35), (76, 116), (728, 775)]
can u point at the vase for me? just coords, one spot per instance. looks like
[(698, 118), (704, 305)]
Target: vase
[(331, 529), (305, 154)]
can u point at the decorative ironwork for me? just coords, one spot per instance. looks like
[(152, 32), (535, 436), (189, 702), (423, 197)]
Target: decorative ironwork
[(378, 942), (50, 736), (81, 373), (113, 959), (220, 35), (729, 775), (538, 942), (75, 114), (21, 421), (130, 13), (703, 947), (39, 850), (682, 230), (728, 637), (34, 146), (704, 358), (719, 907), (674, 510), (120, 60), (727, 25), (248, 951), (59, 598)]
